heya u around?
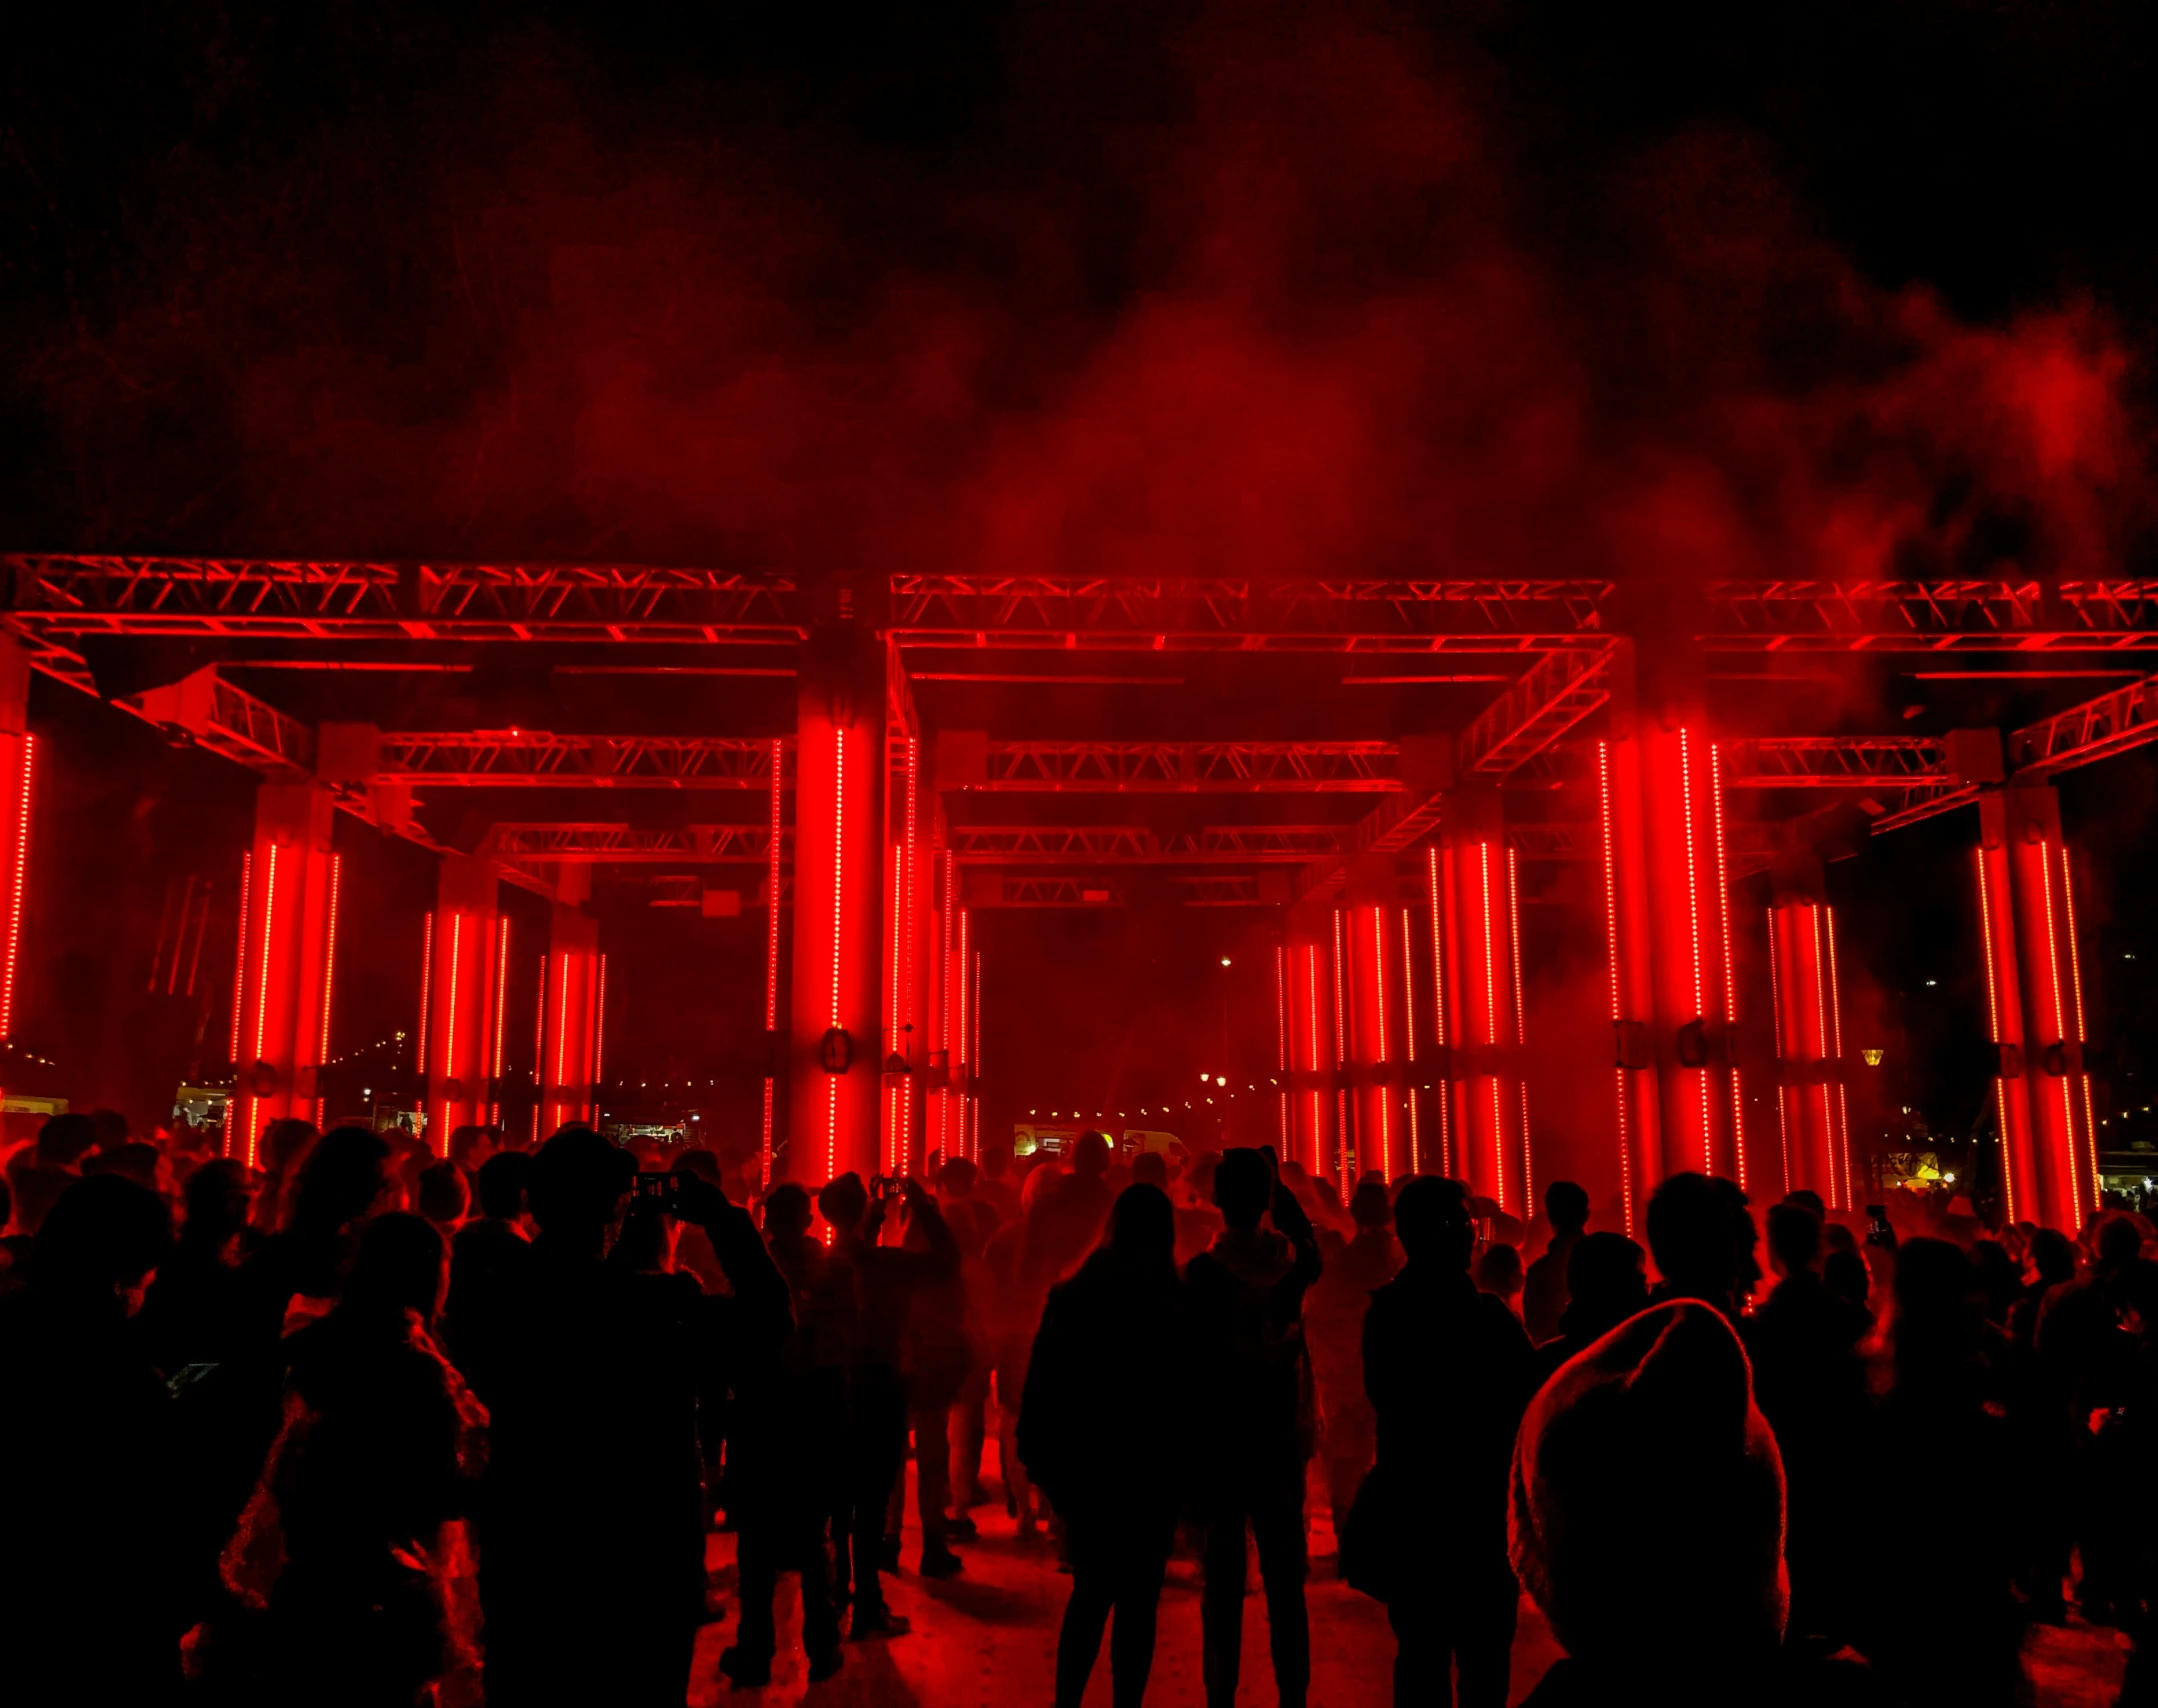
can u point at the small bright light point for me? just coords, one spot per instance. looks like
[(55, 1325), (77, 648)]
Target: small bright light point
[(1225, 960)]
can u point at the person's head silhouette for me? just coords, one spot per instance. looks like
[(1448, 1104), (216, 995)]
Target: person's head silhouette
[(402, 1265), (1243, 1187), (1605, 1283), (1090, 1156), (217, 1196), (1142, 1228), (843, 1203), (577, 1183), (1566, 1207), (1432, 1221), (100, 1241), (1369, 1207), (787, 1211), (2053, 1256), (1690, 1233), (1150, 1168), (1647, 1496), (1794, 1238), (343, 1176)]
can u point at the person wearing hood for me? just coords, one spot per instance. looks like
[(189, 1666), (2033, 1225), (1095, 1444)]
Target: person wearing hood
[(1646, 1523), (1105, 1391), (1448, 1369)]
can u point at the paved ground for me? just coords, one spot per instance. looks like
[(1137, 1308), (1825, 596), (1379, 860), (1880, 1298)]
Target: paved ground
[(987, 1639)]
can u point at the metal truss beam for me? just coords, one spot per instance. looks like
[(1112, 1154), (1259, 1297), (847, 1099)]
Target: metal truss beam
[(321, 600), (2025, 615), (1224, 890), (1837, 762), (1130, 845), (534, 759), (622, 844), (216, 714), (1556, 693), (1185, 614), (2082, 735), (1187, 767)]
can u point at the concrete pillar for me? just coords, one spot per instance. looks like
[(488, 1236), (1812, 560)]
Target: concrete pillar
[(282, 984), (463, 1019), (1813, 1118), (2034, 985), (573, 1009), (1479, 891), (835, 1047)]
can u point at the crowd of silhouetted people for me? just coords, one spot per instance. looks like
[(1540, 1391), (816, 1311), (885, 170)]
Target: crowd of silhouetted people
[(359, 1424)]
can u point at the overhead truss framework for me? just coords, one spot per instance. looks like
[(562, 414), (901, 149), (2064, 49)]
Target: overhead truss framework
[(526, 759), (623, 844), (1241, 844), (1178, 767)]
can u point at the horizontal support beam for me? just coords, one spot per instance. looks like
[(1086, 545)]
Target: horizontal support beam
[(1188, 767), (2023, 615), (2097, 729), (534, 759), (1140, 845), (622, 844), (1556, 693), (1836, 762)]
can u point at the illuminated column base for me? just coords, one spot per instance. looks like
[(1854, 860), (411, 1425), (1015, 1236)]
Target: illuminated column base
[(834, 1114), (1479, 888), (282, 984), (463, 998), (573, 1004), (2035, 1003), (1813, 1124)]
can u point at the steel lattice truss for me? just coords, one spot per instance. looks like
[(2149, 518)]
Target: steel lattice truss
[(1836, 762), (2097, 729), (317, 600), (623, 844), (1556, 693), (1146, 613), (1933, 616), (1241, 844), (526, 759), (213, 713), (1242, 767)]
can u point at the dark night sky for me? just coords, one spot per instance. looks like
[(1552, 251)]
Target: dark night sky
[(1166, 285)]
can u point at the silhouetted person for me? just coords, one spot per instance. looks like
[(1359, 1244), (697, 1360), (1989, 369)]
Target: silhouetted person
[(192, 1312), (787, 1432), (876, 1284), (89, 1606), (592, 1546), (345, 1177), (1067, 1222), (1811, 1386), (487, 1257), (1843, 1270), (1449, 1369), (1942, 1625), (43, 1169), (1334, 1334), (444, 1197), (2045, 1442), (1692, 1234), (1606, 1282), (2124, 1435), (937, 1357), (1106, 1404), (1497, 1271), (974, 1222), (1647, 1508), (1543, 1289), (1243, 1300), (366, 1474)]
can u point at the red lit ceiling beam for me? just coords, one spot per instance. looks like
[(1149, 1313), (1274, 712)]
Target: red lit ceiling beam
[(1173, 767), (1139, 845), (2022, 615), (1554, 695), (526, 759), (622, 844), (216, 714), (1837, 762), (2082, 735), (319, 600)]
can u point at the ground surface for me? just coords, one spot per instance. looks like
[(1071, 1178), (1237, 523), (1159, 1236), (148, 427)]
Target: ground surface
[(987, 1639)]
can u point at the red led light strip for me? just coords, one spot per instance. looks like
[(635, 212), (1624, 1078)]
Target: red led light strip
[(1378, 987), (239, 965), (1311, 1013), (1611, 928), (1491, 1027), (1993, 1020), (1341, 1055), (449, 1032), (21, 852), (561, 1041), (2075, 973), (1843, 1104), (1408, 1026), (539, 1052), (1521, 1030), (599, 1034), (2060, 1030), (1693, 926), (771, 958), (427, 981), (1838, 1193), (974, 1059), (1730, 965), (1438, 1012), (502, 988), (910, 896), (262, 998), (966, 1054), (839, 875), (1775, 1008), (329, 973), (1281, 1038)]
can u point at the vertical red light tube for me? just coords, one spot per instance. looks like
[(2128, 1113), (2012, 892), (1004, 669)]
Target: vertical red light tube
[(1438, 1011), (461, 1009), (2005, 1023), (771, 967), (15, 800), (1286, 1139), (2083, 1078), (502, 1004), (1408, 1034), (1346, 1161), (282, 983), (329, 974)]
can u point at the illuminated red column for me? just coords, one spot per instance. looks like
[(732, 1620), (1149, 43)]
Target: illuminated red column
[(1480, 890), (18, 774), (905, 972), (1377, 1031), (774, 1053), (2034, 979), (463, 966), (1637, 1105), (1688, 936), (834, 1117), (283, 975), (1813, 1119), (1436, 1148), (573, 1017), (1308, 962)]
